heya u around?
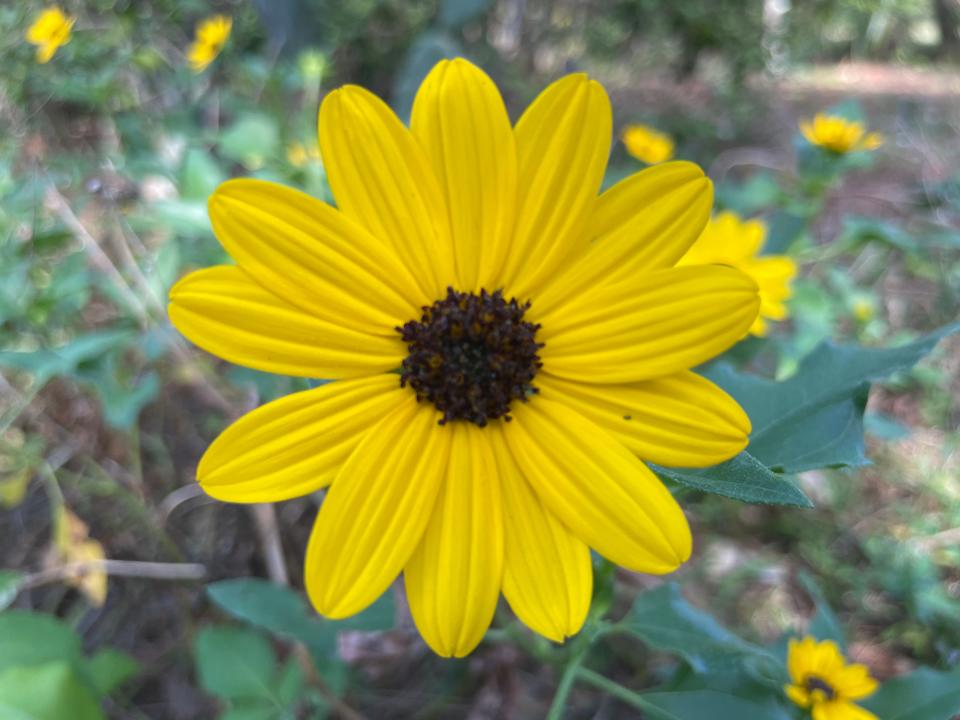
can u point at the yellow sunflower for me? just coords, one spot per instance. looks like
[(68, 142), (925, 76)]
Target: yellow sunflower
[(506, 346), (49, 32), (823, 681), (647, 144), (839, 135), (210, 37), (730, 240)]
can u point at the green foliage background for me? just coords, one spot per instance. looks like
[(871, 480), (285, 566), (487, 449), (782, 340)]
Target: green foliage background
[(838, 520)]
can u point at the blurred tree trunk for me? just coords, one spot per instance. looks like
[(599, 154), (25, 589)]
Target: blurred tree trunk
[(947, 14)]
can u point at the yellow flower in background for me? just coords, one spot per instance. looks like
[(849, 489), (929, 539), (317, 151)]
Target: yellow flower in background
[(730, 240), (210, 37), (839, 135), (49, 32), (646, 144), (299, 154), (863, 309), (823, 681), (507, 347)]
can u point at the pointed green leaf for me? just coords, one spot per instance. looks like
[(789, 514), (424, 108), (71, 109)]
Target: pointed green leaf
[(663, 619), (922, 695), (742, 478)]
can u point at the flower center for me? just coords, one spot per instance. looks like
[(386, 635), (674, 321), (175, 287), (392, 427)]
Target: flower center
[(814, 683), (471, 355)]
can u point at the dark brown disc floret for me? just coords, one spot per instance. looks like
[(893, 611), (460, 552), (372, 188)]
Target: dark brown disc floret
[(471, 355), (816, 683)]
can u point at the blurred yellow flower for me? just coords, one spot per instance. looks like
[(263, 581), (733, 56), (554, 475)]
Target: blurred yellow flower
[(839, 135), (647, 144), (730, 240), (823, 681), (299, 154), (210, 37), (49, 32), (72, 544), (543, 339), (863, 309)]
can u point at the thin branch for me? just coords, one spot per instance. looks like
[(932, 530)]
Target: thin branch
[(265, 519), (117, 568), (97, 256)]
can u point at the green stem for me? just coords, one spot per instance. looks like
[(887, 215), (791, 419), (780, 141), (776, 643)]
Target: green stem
[(621, 693), (577, 655)]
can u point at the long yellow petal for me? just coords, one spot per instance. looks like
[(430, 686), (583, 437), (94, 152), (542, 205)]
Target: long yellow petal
[(377, 509), (800, 656), (547, 574), (654, 325), (463, 126), (382, 179), (298, 443), (563, 142), (313, 256), (645, 222), (597, 488), (681, 420), (840, 710), (854, 682), (225, 312), (453, 578)]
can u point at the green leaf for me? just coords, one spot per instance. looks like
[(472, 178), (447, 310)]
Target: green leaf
[(454, 13), (784, 229), (109, 669), (701, 704), (28, 638), (199, 176), (859, 230), (251, 139), (275, 608), (46, 364), (284, 612), (248, 710), (813, 418), (922, 695), (663, 619), (9, 587), (235, 663), (885, 427), (759, 191), (742, 478), (50, 691)]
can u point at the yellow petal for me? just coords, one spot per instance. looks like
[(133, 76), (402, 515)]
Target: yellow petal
[(645, 222), (382, 179), (453, 577), (563, 142), (313, 256), (654, 325), (461, 122), (46, 52), (798, 695), (298, 443), (854, 682), (681, 420), (827, 659), (376, 512), (547, 574), (226, 313), (840, 710), (597, 488), (800, 655)]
